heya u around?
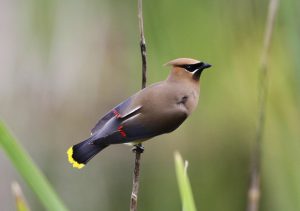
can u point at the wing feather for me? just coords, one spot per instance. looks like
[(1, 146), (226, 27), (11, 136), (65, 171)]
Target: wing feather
[(119, 108)]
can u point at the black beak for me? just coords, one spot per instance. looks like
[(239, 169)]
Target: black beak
[(204, 66), (201, 67)]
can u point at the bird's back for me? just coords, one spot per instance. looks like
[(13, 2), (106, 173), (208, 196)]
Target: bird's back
[(165, 105)]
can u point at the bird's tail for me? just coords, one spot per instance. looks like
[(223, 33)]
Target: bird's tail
[(80, 154)]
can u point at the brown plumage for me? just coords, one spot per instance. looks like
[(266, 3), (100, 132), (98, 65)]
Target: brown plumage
[(159, 108)]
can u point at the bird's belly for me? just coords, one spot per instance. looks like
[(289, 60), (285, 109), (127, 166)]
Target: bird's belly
[(165, 121)]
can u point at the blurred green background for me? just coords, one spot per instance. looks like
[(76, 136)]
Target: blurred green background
[(63, 64)]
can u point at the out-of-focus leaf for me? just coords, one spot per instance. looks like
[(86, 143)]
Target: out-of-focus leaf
[(21, 204), (29, 171), (186, 194)]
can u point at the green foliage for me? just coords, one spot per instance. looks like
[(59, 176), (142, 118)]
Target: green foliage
[(186, 194), (29, 171)]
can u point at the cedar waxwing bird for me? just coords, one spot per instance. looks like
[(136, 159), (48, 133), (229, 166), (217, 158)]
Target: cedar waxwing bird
[(157, 109)]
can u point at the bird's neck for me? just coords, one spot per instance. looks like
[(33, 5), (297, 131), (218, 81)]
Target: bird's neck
[(181, 76)]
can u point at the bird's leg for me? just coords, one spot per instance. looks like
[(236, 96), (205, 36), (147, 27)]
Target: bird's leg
[(138, 148)]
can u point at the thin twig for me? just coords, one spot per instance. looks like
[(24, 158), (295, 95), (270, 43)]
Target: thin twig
[(254, 187), (142, 43), (139, 147), (135, 185)]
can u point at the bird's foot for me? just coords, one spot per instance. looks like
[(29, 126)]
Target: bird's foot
[(138, 148)]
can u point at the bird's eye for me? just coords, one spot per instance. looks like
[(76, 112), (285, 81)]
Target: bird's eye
[(189, 68)]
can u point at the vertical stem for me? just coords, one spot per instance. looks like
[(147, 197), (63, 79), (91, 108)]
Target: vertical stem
[(139, 148), (142, 43), (135, 185), (254, 187)]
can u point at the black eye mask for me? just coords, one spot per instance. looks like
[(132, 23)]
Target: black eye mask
[(196, 69), (193, 67)]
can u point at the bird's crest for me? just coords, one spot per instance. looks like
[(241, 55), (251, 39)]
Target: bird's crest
[(181, 61)]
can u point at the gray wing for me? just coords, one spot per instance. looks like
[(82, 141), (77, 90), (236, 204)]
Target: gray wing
[(115, 112)]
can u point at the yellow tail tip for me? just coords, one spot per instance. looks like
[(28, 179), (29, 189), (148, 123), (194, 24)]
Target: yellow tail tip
[(72, 161)]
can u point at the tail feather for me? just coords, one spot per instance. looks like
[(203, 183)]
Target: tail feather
[(80, 154)]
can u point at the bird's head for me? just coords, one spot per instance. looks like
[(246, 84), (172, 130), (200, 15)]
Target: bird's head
[(185, 67)]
